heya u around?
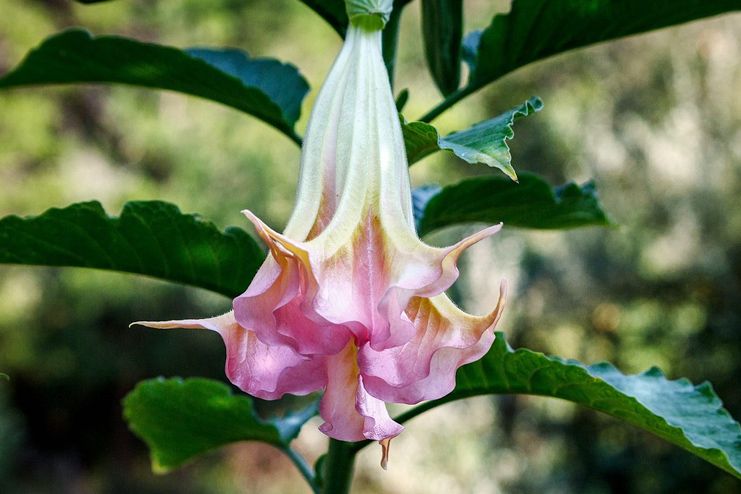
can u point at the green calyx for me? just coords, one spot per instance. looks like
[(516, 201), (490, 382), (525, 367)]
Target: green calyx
[(369, 15)]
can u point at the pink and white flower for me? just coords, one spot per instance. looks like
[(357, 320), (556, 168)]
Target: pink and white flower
[(350, 301)]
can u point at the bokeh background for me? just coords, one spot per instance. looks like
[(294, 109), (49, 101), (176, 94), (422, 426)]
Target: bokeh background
[(654, 119)]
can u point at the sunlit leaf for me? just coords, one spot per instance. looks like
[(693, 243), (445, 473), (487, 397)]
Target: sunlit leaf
[(686, 415), (152, 238), (485, 142), (265, 88), (180, 419), (531, 203)]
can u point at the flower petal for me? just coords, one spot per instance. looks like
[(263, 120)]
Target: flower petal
[(423, 271), (349, 412), (278, 304), (425, 367), (265, 371)]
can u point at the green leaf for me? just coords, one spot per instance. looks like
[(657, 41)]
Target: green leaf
[(332, 11), (532, 203), (152, 238), (689, 416), (442, 31), (265, 88), (485, 142), (536, 29), (180, 419)]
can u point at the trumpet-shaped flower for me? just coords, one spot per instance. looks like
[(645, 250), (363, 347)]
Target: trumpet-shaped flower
[(350, 301)]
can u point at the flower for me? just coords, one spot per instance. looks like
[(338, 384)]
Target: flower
[(350, 301)]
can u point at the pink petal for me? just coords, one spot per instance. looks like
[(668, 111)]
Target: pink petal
[(425, 273), (425, 367), (277, 304), (349, 412), (265, 371)]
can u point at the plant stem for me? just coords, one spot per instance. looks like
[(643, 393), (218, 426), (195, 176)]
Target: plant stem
[(452, 99), (338, 468), (306, 472)]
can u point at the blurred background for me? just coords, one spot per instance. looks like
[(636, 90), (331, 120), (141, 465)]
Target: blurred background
[(654, 119)]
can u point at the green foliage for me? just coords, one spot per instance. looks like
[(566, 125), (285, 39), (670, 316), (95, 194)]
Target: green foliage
[(689, 416), (332, 11), (264, 88), (152, 238), (442, 29), (180, 419), (485, 142), (536, 29), (530, 204)]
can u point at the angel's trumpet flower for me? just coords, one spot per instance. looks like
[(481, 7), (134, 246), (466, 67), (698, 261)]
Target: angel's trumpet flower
[(350, 301)]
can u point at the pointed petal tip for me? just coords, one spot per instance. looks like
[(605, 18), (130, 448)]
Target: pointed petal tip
[(496, 314), (477, 237), (256, 222), (154, 324), (385, 448)]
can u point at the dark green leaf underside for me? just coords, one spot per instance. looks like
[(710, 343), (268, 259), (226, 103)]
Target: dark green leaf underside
[(536, 29), (531, 203), (332, 11), (485, 142), (152, 238), (180, 419), (689, 416), (265, 88), (442, 31)]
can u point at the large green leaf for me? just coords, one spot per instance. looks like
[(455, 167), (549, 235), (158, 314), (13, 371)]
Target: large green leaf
[(442, 30), (485, 142), (180, 419), (689, 416), (532, 203), (536, 29), (332, 11), (268, 89), (150, 237)]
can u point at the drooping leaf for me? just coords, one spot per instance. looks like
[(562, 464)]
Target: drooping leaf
[(265, 88), (485, 142), (152, 238), (332, 11), (531, 203), (536, 29), (686, 415), (442, 30), (180, 419)]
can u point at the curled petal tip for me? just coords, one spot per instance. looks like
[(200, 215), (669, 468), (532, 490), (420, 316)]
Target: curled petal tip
[(256, 222), (385, 448), (497, 312)]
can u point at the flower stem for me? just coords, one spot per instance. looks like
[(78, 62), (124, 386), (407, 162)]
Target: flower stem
[(306, 472), (451, 100), (338, 467)]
